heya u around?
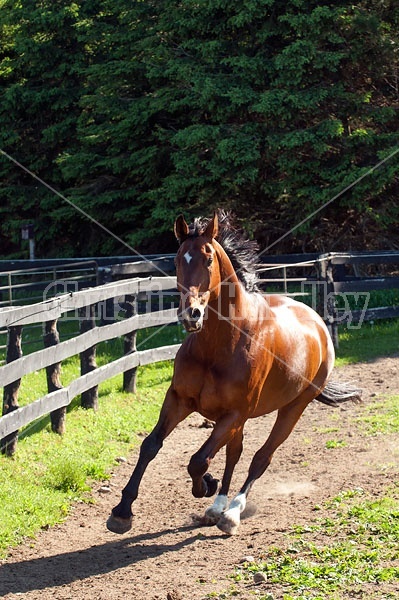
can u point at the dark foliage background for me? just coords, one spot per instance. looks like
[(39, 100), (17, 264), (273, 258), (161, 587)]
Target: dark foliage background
[(138, 111)]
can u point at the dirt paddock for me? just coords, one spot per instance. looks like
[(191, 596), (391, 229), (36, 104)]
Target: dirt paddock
[(166, 554)]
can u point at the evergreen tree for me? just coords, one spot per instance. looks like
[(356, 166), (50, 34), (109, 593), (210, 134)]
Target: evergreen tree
[(273, 108), (141, 110), (41, 84)]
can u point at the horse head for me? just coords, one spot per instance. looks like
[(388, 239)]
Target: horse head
[(197, 270)]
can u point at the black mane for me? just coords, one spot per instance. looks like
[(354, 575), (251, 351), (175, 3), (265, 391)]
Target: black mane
[(241, 251)]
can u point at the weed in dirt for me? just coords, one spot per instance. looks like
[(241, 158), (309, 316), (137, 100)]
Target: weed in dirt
[(381, 416), (350, 549), (330, 444)]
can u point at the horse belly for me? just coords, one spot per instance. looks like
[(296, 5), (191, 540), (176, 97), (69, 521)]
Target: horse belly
[(302, 346), (275, 395), (288, 378)]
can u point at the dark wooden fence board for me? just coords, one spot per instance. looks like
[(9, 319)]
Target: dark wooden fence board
[(41, 407), (54, 308), (341, 258), (371, 314), (43, 358), (367, 285)]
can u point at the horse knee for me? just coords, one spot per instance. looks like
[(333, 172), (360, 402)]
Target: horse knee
[(203, 483)]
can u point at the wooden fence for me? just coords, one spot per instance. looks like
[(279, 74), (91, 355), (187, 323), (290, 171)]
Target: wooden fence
[(321, 279), (353, 276), (58, 397)]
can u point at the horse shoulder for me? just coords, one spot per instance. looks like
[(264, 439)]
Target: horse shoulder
[(188, 372)]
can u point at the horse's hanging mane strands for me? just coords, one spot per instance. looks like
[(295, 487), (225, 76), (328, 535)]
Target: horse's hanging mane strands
[(242, 252)]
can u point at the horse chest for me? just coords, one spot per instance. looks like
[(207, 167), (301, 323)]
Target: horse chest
[(212, 388)]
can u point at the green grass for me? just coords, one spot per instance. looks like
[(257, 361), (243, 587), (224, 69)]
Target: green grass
[(370, 341), (359, 548), (49, 473), (381, 417)]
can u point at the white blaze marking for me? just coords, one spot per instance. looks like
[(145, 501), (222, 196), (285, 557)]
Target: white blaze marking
[(188, 257)]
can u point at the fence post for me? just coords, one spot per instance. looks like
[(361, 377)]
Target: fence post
[(10, 393), (107, 314), (331, 307), (53, 372), (89, 398), (326, 305), (129, 377)]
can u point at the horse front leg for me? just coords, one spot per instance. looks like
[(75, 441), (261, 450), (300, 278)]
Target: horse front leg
[(224, 431), (233, 452), (173, 411)]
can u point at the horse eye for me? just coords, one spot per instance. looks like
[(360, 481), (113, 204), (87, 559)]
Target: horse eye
[(209, 261)]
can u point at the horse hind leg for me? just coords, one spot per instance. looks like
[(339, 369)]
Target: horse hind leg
[(233, 453), (286, 419)]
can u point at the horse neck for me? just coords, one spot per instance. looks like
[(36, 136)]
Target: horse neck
[(229, 305)]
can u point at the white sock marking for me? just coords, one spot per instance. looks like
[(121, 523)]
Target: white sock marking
[(220, 504), (238, 503), (234, 511)]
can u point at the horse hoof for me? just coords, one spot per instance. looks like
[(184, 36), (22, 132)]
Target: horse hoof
[(119, 525), (211, 517), (212, 485), (227, 525)]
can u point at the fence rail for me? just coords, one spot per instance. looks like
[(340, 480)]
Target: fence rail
[(55, 307), (339, 276), (19, 284), (20, 417), (48, 312)]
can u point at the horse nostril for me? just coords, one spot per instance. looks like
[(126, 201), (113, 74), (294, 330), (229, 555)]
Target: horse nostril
[(196, 314)]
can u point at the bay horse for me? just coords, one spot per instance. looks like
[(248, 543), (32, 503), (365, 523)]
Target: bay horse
[(247, 355)]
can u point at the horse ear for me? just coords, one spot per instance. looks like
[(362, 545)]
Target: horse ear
[(212, 228), (181, 229)]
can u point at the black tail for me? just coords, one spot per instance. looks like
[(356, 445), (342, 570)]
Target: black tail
[(336, 393)]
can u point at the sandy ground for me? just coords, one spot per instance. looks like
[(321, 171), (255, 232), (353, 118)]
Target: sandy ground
[(167, 555)]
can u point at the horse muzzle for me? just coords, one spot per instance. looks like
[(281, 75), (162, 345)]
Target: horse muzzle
[(192, 318)]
